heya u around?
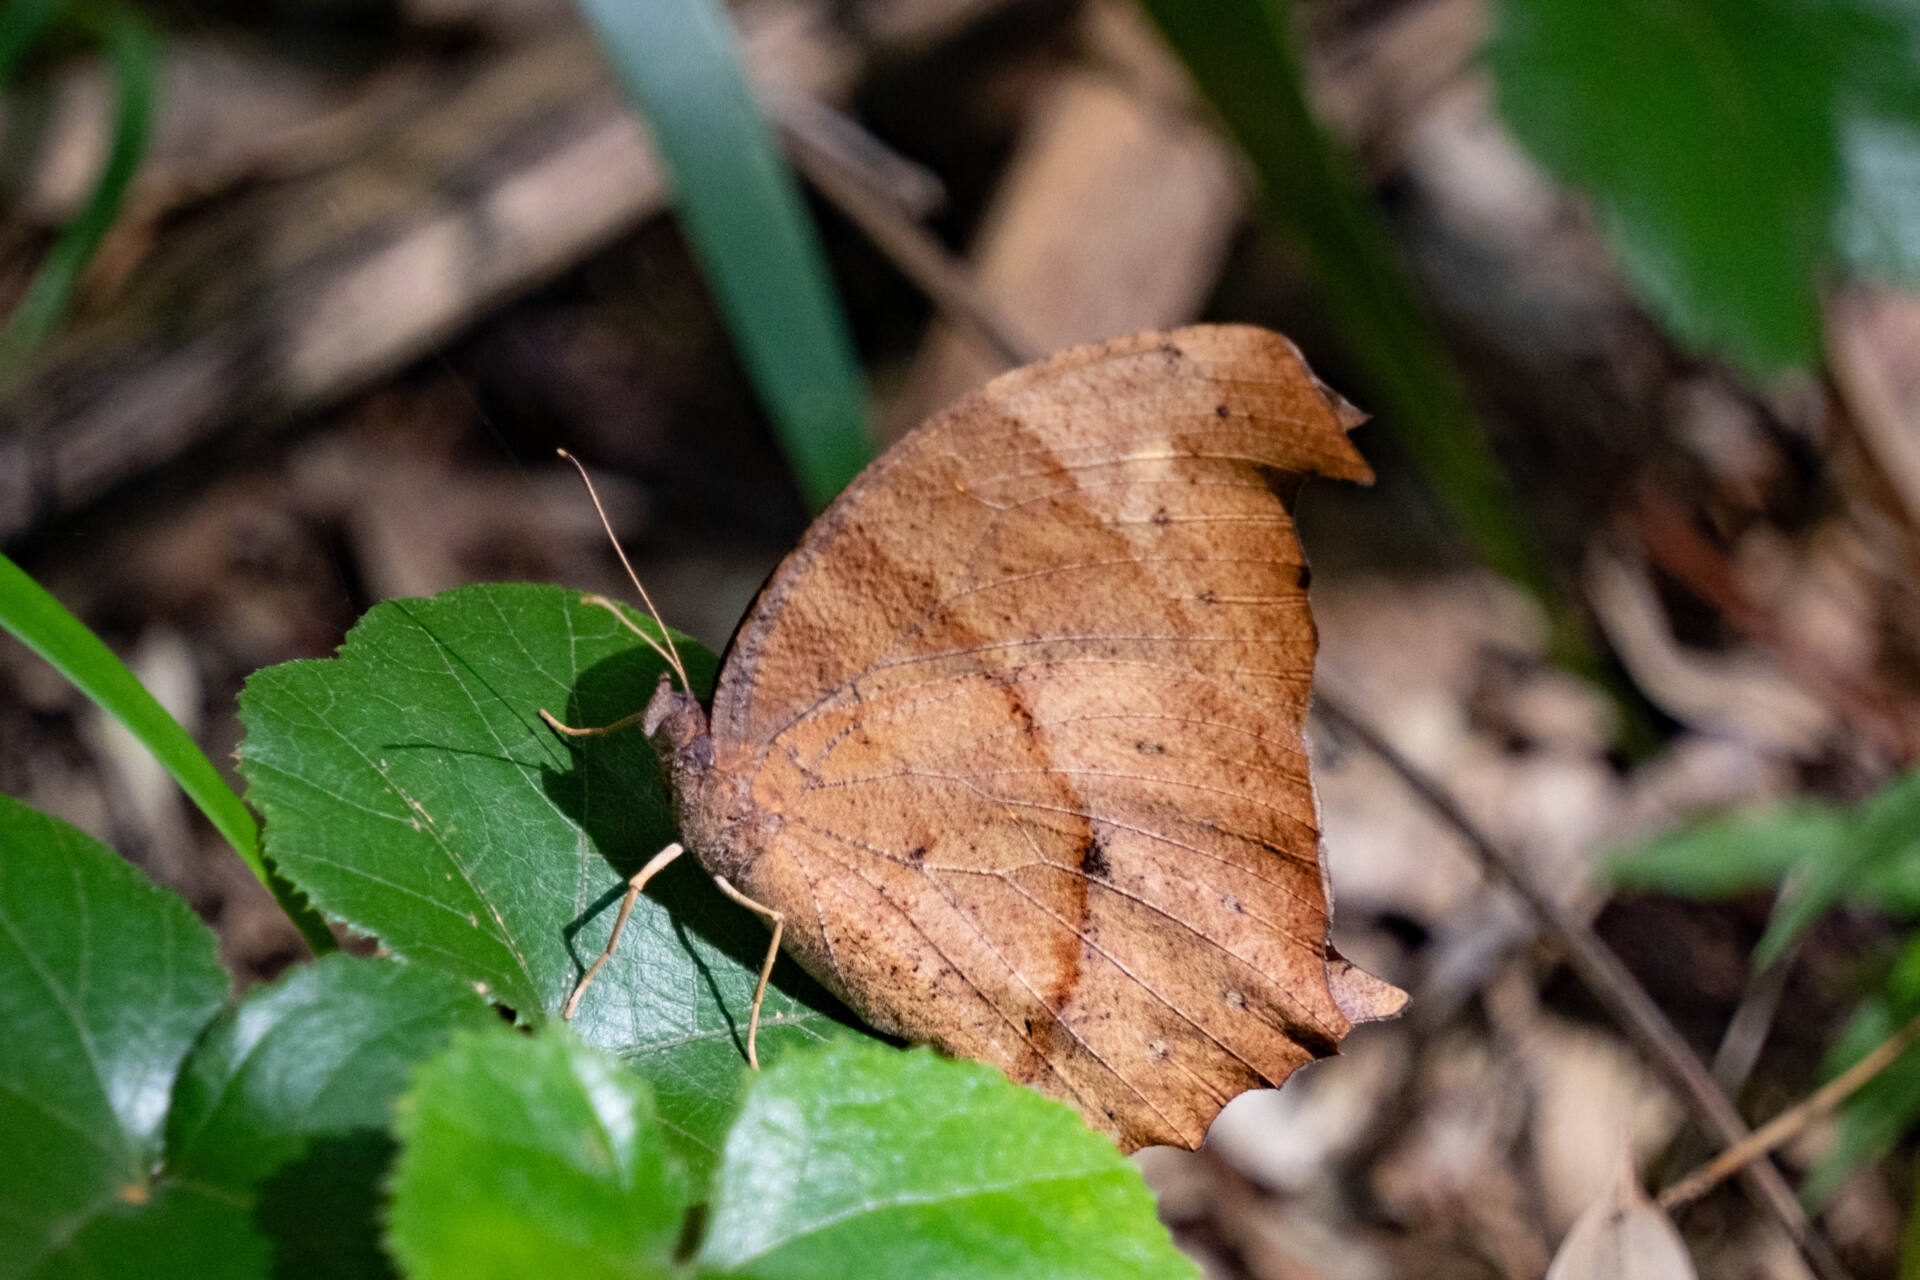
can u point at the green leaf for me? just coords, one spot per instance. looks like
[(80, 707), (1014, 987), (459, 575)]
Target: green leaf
[(1727, 857), (1887, 1106), (1878, 853), (105, 981), (1879, 226), (749, 228), (1735, 149), (409, 786), (533, 1156), (44, 625), (1888, 827), (1879, 128), (918, 1166), (284, 1103), (176, 1233)]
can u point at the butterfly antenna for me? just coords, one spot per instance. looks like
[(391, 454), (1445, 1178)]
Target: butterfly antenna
[(668, 652)]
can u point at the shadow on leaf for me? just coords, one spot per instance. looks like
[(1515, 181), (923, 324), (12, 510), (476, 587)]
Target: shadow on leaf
[(616, 791), (322, 1211)]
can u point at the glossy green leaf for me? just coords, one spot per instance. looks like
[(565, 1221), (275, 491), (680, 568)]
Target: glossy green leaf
[(857, 1158), (1726, 857), (44, 625), (284, 1104), (176, 1232), (742, 212), (1736, 150), (533, 1156), (410, 787), (105, 981)]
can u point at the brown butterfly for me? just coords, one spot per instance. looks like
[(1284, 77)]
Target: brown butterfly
[(1009, 748)]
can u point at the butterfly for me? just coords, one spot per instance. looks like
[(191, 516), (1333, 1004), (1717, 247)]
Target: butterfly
[(1009, 749)]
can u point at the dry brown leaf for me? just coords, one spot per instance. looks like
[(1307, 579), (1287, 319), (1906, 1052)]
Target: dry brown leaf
[(1013, 737), (1622, 1236)]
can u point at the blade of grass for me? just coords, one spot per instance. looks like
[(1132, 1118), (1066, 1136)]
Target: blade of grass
[(44, 625), (749, 228), (1241, 54), (134, 53)]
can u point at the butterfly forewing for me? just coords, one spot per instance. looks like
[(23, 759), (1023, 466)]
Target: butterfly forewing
[(1023, 716)]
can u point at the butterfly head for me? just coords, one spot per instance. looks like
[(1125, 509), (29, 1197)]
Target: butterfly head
[(676, 725)]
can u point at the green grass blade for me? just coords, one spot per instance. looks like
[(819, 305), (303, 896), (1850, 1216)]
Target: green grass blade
[(749, 228), (1241, 54), (44, 625), (134, 53)]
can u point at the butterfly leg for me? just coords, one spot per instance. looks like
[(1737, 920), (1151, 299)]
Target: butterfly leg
[(553, 723), (639, 881), (778, 920)]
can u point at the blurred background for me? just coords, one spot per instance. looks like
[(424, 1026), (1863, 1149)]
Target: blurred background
[(302, 296)]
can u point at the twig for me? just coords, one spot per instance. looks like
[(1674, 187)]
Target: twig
[(914, 191), (945, 279), (1613, 986), (1747, 1030), (1680, 550), (1789, 1123), (913, 249)]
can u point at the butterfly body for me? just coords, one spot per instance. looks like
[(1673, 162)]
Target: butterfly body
[(1012, 740)]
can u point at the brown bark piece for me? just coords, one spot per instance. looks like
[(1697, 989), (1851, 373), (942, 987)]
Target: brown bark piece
[(1013, 737)]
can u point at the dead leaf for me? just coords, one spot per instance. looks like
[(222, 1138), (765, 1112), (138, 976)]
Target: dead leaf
[(1622, 1236), (1013, 737)]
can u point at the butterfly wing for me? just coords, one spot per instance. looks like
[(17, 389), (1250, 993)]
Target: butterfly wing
[(1020, 720)]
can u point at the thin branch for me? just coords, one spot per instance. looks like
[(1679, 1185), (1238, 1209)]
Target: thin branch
[(1752, 1021), (1613, 985), (915, 251), (1788, 1124)]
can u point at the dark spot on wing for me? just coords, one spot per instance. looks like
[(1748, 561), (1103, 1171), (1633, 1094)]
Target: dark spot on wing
[(1146, 748), (1304, 578), (917, 855), (1093, 858), (1220, 411), (1016, 704)]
